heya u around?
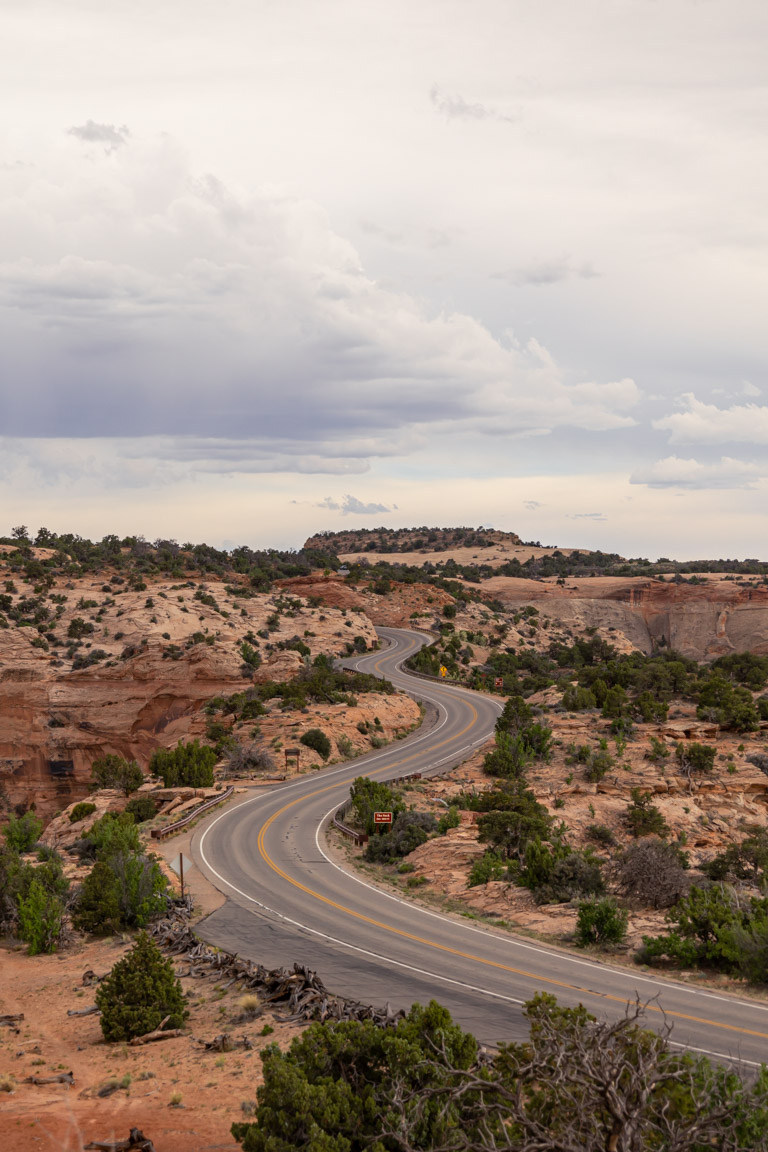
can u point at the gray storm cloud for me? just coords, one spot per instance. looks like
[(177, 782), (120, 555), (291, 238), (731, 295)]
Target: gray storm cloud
[(107, 134), (245, 331)]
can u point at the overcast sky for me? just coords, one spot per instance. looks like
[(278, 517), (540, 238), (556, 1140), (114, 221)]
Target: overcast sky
[(269, 267)]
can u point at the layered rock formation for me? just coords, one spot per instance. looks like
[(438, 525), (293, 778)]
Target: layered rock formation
[(701, 621)]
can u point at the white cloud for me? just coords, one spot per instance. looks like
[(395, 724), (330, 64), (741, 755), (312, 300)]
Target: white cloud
[(707, 424), (350, 505), (674, 472)]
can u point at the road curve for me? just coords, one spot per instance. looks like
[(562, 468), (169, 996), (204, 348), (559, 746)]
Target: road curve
[(290, 900)]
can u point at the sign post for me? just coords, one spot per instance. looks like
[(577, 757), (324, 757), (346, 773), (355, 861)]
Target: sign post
[(443, 670), (177, 866)]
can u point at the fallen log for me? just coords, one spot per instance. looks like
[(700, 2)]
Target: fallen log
[(10, 1019), (224, 1043), (83, 1011), (61, 1078), (158, 1034), (136, 1141)]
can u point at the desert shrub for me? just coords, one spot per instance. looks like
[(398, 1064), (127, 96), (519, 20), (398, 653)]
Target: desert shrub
[(317, 740), (187, 765), (600, 834), (577, 699), (715, 927), (88, 659), (600, 922), (41, 916), (573, 1083), (139, 992), (556, 874), (220, 736), (141, 808), (345, 747), (730, 706), (22, 832), (333, 1090), (599, 763), (508, 830), (112, 771), (369, 796), (615, 702), (122, 890), (409, 830), (245, 758), (81, 810), (642, 817), (79, 628), (658, 751), (745, 861), (489, 866), (695, 757), (450, 819), (650, 708), (111, 833), (650, 872)]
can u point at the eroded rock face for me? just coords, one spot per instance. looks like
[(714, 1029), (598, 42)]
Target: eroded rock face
[(53, 727), (159, 655), (700, 621)]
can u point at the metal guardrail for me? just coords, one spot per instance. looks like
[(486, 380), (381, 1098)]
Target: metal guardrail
[(359, 838), (169, 829)]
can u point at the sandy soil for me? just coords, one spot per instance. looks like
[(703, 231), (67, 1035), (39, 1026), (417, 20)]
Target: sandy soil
[(209, 1086)]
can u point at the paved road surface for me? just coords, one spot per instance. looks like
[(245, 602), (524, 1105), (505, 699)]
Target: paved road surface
[(291, 901)]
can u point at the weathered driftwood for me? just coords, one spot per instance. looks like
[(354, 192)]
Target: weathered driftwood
[(11, 1020), (91, 1011), (60, 1078), (136, 1141), (298, 990), (158, 1034), (90, 978), (224, 1043)]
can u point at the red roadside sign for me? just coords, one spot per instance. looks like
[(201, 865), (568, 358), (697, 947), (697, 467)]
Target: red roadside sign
[(498, 682), (382, 817)]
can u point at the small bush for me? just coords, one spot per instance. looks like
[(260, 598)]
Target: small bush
[(139, 992), (450, 819), (317, 740), (112, 771), (600, 834), (41, 914), (642, 817), (247, 758), (22, 832), (409, 830), (189, 765), (600, 922), (651, 873), (695, 757), (81, 810), (141, 808), (487, 867)]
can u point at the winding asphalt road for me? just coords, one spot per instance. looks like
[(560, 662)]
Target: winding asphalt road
[(291, 900)]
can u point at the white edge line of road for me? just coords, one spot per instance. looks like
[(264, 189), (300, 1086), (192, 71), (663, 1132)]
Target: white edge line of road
[(514, 942), (657, 983), (438, 916)]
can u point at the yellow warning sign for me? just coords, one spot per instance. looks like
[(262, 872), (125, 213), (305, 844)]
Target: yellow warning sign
[(443, 670)]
